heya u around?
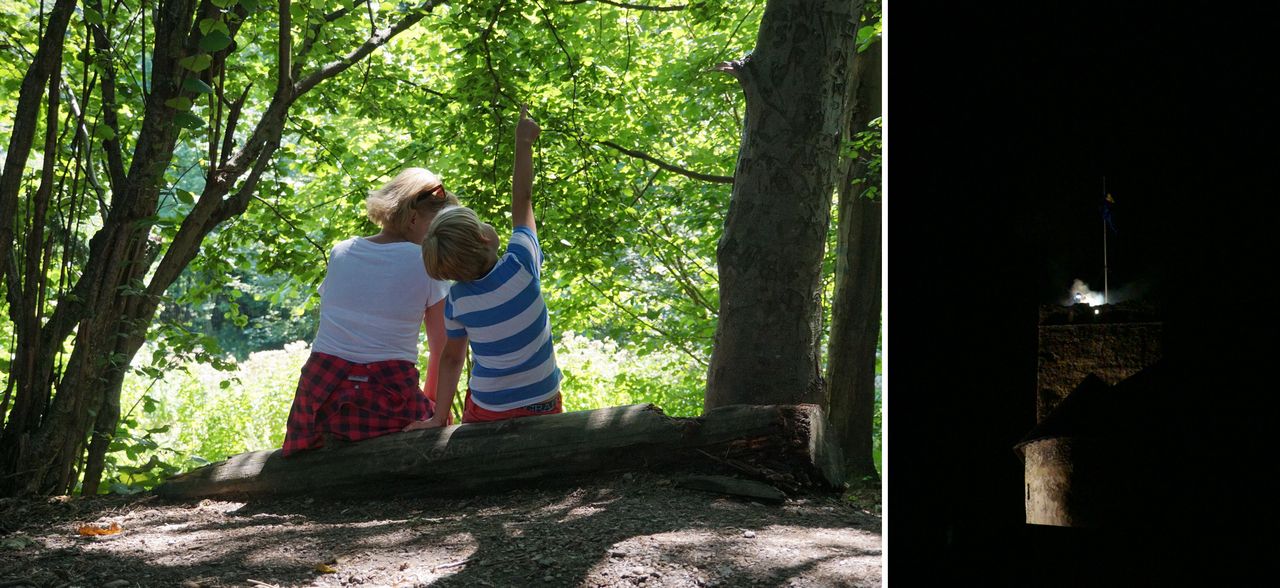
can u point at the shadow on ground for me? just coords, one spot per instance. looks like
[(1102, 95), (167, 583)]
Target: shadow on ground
[(635, 530)]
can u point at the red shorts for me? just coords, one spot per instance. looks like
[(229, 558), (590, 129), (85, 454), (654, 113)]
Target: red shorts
[(352, 401), (475, 414)]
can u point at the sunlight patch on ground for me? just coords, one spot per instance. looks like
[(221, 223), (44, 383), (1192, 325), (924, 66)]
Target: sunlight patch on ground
[(387, 548), (394, 537), (577, 505), (513, 530), (222, 506), (581, 512), (776, 554)]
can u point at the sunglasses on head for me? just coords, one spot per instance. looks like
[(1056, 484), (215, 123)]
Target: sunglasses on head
[(431, 194)]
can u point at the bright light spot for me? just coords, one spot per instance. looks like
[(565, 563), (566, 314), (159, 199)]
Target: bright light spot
[(1080, 292), (1095, 311)]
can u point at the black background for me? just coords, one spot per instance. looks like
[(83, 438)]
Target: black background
[(1002, 120)]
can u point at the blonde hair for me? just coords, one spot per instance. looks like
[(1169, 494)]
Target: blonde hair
[(456, 247), (392, 205)]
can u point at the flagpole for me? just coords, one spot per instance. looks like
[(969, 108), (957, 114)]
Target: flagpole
[(1105, 288)]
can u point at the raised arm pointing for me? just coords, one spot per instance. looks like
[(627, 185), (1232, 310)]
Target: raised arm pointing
[(527, 131)]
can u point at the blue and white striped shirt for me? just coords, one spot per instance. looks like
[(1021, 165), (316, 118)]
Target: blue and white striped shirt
[(505, 319)]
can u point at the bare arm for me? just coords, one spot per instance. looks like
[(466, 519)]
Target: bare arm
[(451, 361), (527, 131), (436, 338)]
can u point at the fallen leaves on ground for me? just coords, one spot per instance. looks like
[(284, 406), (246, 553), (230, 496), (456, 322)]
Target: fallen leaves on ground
[(90, 530)]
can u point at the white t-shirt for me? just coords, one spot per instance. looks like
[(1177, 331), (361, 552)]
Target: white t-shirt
[(372, 301)]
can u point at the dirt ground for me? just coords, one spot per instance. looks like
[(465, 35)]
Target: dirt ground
[(634, 530)]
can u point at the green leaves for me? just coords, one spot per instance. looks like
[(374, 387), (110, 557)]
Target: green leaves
[(870, 25), (187, 120), (196, 85), (184, 118), (179, 103), (213, 24), (216, 40), (198, 62), (92, 16), (868, 33), (104, 132)]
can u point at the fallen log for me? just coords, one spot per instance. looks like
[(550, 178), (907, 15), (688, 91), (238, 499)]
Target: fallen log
[(786, 446)]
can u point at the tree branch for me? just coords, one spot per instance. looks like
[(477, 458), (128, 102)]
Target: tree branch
[(670, 338), (237, 204), (284, 52), (324, 255), (309, 39), (13, 293), (211, 209), (233, 118), (86, 143), (379, 39), (102, 50), (677, 271), (39, 205), (667, 166), (680, 272), (573, 72), (733, 67), (631, 6), (271, 125), (417, 86), (22, 133), (488, 57)]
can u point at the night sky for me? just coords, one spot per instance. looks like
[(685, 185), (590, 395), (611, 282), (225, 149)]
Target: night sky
[(1002, 123)]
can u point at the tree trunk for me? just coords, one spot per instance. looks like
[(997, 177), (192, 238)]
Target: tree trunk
[(26, 117), (783, 445), (27, 404), (770, 257), (855, 313)]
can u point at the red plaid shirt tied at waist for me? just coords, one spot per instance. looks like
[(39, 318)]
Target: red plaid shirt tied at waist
[(352, 401)]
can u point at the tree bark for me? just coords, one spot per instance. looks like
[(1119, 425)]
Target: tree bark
[(47, 60), (26, 117), (786, 446), (770, 256), (855, 312)]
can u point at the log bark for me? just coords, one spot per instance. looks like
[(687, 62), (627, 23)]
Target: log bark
[(786, 446)]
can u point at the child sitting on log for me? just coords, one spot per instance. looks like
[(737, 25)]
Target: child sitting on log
[(361, 379), (496, 304)]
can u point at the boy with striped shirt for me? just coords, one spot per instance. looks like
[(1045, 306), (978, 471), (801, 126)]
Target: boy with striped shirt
[(495, 305)]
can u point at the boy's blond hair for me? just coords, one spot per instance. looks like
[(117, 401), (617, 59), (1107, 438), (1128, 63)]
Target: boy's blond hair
[(414, 189), (456, 247)]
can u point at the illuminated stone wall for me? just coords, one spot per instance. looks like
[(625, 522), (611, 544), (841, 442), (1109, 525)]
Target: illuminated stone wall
[(1115, 342)]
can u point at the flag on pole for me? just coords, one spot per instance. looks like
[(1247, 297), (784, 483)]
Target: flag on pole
[(1107, 203)]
